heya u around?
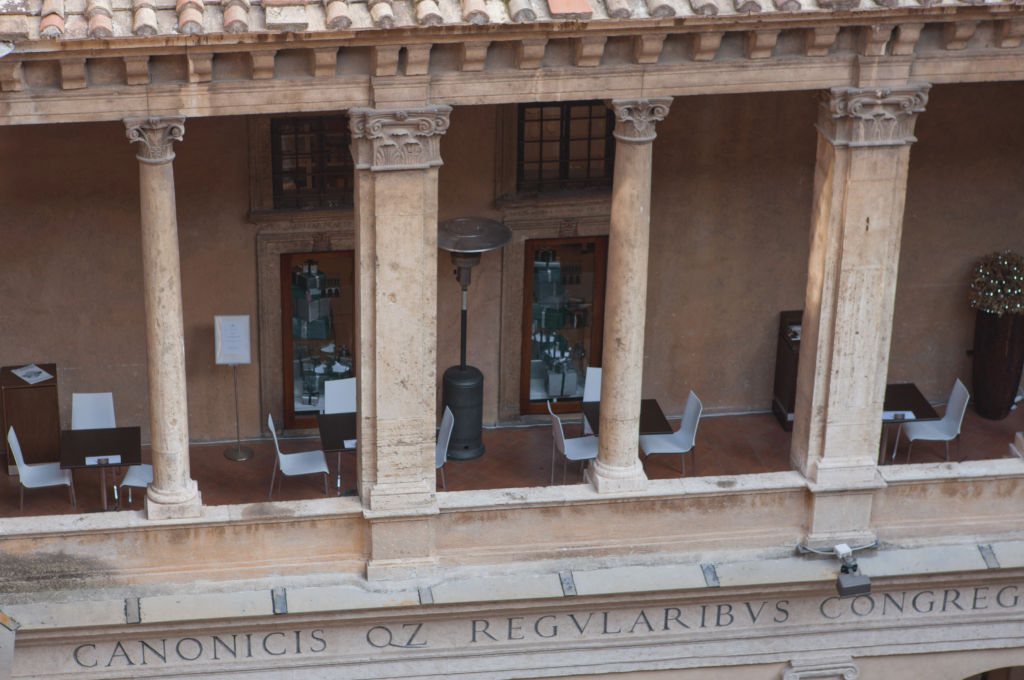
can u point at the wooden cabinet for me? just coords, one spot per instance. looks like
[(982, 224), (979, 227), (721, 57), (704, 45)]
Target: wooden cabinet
[(787, 361), (34, 413)]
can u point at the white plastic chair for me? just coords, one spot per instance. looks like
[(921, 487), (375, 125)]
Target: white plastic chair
[(38, 476), (95, 411), (340, 396), (682, 440), (581, 448), (591, 392), (441, 450), (945, 430), (92, 411), (138, 476), (291, 464)]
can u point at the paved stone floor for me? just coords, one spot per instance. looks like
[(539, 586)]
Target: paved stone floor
[(516, 457)]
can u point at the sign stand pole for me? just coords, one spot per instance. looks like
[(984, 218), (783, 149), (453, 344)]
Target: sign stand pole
[(238, 452)]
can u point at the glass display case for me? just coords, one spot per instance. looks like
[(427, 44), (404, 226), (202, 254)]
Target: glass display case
[(563, 320), (318, 333)]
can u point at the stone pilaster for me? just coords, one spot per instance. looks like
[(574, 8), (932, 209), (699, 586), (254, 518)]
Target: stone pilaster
[(864, 138), (173, 493), (618, 466), (397, 154)]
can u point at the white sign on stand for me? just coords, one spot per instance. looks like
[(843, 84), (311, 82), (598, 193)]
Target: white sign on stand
[(231, 340)]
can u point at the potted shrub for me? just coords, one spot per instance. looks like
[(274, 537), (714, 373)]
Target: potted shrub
[(997, 292)]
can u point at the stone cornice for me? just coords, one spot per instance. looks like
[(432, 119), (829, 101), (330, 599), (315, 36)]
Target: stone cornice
[(398, 140), (635, 118), (156, 137), (871, 117)]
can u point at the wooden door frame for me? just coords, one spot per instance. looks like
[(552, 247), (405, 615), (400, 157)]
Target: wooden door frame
[(526, 407), (291, 421)]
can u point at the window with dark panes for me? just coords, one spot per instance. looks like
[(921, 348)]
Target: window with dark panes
[(564, 147), (312, 164)]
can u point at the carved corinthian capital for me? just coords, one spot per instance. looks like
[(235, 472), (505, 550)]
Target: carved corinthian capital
[(879, 117), (156, 137), (635, 118), (398, 140)]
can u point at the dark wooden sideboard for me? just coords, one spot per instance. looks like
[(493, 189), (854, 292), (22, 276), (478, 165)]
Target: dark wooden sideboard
[(787, 361), (34, 413)]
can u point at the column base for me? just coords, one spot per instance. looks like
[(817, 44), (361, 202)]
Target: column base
[(402, 498), (190, 509), (622, 480)]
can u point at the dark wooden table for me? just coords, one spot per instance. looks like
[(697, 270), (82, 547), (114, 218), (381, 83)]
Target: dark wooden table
[(335, 429), (652, 420), (118, 446), (904, 397)]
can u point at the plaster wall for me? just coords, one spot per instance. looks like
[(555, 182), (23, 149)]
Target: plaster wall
[(71, 285), (965, 199), (466, 189)]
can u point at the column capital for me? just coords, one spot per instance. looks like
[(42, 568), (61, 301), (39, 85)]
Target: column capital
[(871, 117), (635, 118), (157, 136), (406, 139)]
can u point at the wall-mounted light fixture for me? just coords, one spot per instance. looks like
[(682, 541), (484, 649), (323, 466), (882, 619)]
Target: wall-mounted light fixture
[(851, 582)]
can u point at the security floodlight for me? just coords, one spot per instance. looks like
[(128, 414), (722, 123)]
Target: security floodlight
[(851, 582)]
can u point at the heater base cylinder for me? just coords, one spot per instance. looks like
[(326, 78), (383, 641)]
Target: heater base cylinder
[(463, 392)]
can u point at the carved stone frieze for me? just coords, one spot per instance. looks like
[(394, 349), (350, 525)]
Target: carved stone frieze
[(156, 137), (398, 140), (821, 669), (871, 117), (635, 118)]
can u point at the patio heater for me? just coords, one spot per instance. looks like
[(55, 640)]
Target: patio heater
[(462, 388)]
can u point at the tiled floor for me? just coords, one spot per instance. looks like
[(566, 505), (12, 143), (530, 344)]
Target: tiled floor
[(516, 457)]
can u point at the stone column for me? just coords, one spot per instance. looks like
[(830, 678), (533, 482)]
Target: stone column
[(618, 466), (173, 493), (864, 138), (397, 154)]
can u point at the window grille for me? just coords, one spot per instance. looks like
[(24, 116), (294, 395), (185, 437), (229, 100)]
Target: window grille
[(312, 163), (567, 146)]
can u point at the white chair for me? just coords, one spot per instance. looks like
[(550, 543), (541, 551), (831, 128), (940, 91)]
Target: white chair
[(591, 392), (938, 430), (38, 476), (441, 449), (581, 448), (340, 396), (95, 411), (92, 411), (138, 476), (682, 440), (291, 464)]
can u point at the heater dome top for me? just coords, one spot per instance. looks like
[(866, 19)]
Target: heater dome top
[(472, 235)]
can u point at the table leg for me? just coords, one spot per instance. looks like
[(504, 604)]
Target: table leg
[(103, 488)]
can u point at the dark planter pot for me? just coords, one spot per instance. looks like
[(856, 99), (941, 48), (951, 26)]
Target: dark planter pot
[(998, 362)]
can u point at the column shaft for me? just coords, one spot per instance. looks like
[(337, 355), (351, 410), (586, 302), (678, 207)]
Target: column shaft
[(618, 466), (397, 154), (173, 492), (864, 139)]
